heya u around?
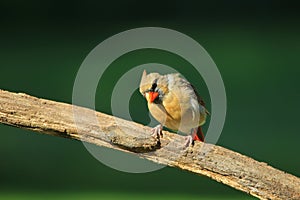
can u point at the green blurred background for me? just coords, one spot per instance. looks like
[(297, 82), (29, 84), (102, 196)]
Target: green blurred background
[(255, 45)]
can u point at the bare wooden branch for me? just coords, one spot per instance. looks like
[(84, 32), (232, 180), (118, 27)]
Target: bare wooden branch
[(223, 165)]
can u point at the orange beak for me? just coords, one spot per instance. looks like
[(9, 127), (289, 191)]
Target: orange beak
[(151, 96)]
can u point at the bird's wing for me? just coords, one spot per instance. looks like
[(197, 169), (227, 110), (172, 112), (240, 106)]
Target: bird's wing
[(199, 98)]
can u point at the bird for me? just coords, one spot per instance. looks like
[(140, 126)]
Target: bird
[(175, 104)]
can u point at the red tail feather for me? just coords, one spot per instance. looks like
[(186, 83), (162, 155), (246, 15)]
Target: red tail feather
[(199, 135)]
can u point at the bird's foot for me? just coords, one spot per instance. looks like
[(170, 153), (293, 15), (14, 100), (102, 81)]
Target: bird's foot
[(157, 131), (189, 141)]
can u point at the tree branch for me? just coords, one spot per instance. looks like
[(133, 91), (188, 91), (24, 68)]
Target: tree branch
[(223, 165)]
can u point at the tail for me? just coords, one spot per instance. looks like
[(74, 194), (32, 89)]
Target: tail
[(199, 134)]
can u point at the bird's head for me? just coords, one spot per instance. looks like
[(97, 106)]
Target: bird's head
[(153, 87)]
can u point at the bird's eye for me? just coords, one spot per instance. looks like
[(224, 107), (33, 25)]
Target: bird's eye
[(154, 85)]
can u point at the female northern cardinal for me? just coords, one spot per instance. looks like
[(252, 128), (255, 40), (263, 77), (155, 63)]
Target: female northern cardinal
[(173, 102)]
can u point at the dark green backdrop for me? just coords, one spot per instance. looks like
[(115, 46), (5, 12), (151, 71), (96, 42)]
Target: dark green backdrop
[(255, 45)]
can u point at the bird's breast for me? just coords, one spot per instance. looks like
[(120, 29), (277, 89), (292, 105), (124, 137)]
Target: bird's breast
[(169, 112)]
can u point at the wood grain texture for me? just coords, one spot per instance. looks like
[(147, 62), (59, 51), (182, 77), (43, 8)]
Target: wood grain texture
[(218, 163)]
